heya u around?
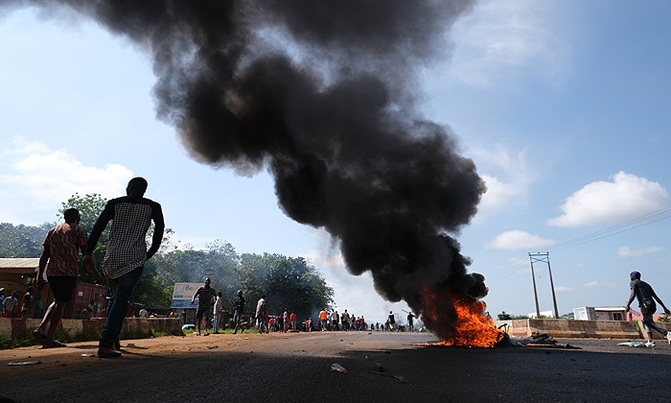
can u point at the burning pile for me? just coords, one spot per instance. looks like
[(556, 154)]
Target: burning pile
[(470, 326), (322, 95)]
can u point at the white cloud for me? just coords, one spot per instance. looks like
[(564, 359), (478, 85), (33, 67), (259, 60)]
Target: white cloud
[(625, 251), (627, 196), (499, 37), (513, 178), (36, 179), (563, 289), (598, 284), (517, 239)]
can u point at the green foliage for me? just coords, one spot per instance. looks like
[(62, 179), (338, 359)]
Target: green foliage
[(504, 316), (4, 341), (218, 262), (288, 283), (22, 240)]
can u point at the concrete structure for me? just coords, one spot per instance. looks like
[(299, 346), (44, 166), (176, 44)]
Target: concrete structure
[(578, 329), (131, 326), (599, 313)]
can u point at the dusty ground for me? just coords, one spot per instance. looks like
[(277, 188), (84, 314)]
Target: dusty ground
[(297, 366)]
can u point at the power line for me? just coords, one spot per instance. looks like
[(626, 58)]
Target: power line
[(629, 225)]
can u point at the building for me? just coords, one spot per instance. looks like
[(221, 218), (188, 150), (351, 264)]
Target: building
[(599, 313), (88, 300)]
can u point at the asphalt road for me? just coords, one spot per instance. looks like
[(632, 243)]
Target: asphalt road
[(297, 367)]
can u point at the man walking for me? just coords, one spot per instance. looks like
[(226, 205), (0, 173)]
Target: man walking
[(123, 264), (646, 301), (239, 310), (206, 296), (59, 261)]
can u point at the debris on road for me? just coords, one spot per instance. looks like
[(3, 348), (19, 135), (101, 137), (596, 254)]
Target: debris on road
[(541, 340), (335, 367), (632, 344), (18, 364)]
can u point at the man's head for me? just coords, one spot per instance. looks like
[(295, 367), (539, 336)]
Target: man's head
[(136, 187), (71, 216), (239, 293), (207, 281), (634, 275)]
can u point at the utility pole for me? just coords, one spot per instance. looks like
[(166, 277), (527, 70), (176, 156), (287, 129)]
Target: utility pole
[(543, 258)]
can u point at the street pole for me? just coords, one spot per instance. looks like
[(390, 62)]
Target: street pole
[(544, 258), (533, 278)]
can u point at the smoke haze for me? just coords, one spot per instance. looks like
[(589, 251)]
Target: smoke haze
[(321, 94)]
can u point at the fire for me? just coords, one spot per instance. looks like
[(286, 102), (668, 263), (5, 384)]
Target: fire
[(466, 324)]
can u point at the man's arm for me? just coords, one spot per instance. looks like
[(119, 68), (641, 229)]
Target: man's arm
[(631, 299), (159, 228), (106, 216), (44, 258), (89, 265), (654, 295)]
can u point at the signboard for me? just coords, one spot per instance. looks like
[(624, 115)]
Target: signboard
[(181, 296)]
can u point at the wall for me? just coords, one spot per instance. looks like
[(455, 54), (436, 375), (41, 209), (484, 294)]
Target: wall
[(74, 326), (577, 329)]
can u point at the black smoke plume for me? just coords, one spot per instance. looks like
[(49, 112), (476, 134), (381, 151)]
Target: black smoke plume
[(322, 94)]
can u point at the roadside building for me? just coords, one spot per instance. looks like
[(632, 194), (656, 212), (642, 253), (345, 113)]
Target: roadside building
[(600, 313)]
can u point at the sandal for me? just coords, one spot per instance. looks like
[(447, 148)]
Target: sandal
[(54, 344)]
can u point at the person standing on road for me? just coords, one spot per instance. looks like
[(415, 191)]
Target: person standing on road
[(646, 297), (293, 319), (411, 317), (131, 216), (239, 309), (218, 306), (322, 319), (261, 314), (391, 321), (206, 296)]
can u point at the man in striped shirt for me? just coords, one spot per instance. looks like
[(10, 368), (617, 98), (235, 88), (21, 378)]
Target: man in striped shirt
[(59, 262), (206, 296), (123, 264)]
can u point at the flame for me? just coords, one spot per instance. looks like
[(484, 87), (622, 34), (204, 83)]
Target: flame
[(465, 324)]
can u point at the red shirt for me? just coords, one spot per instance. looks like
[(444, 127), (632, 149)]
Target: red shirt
[(293, 317), (64, 241)]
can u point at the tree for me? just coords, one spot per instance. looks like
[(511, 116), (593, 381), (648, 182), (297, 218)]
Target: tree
[(219, 262), (288, 283), (22, 240), (504, 316)]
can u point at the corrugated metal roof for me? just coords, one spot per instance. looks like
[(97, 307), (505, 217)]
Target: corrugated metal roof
[(19, 263)]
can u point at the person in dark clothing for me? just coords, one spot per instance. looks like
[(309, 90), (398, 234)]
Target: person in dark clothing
[(239, 308), (206, 297), (646, 297), (127, 251)]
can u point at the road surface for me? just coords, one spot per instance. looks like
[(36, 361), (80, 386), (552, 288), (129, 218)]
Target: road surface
[(381, 366)]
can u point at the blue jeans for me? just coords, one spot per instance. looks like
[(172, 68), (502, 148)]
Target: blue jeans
[(121, 291), (215, 324)]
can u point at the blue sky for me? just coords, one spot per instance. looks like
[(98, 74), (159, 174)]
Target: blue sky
[(563, 106)]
